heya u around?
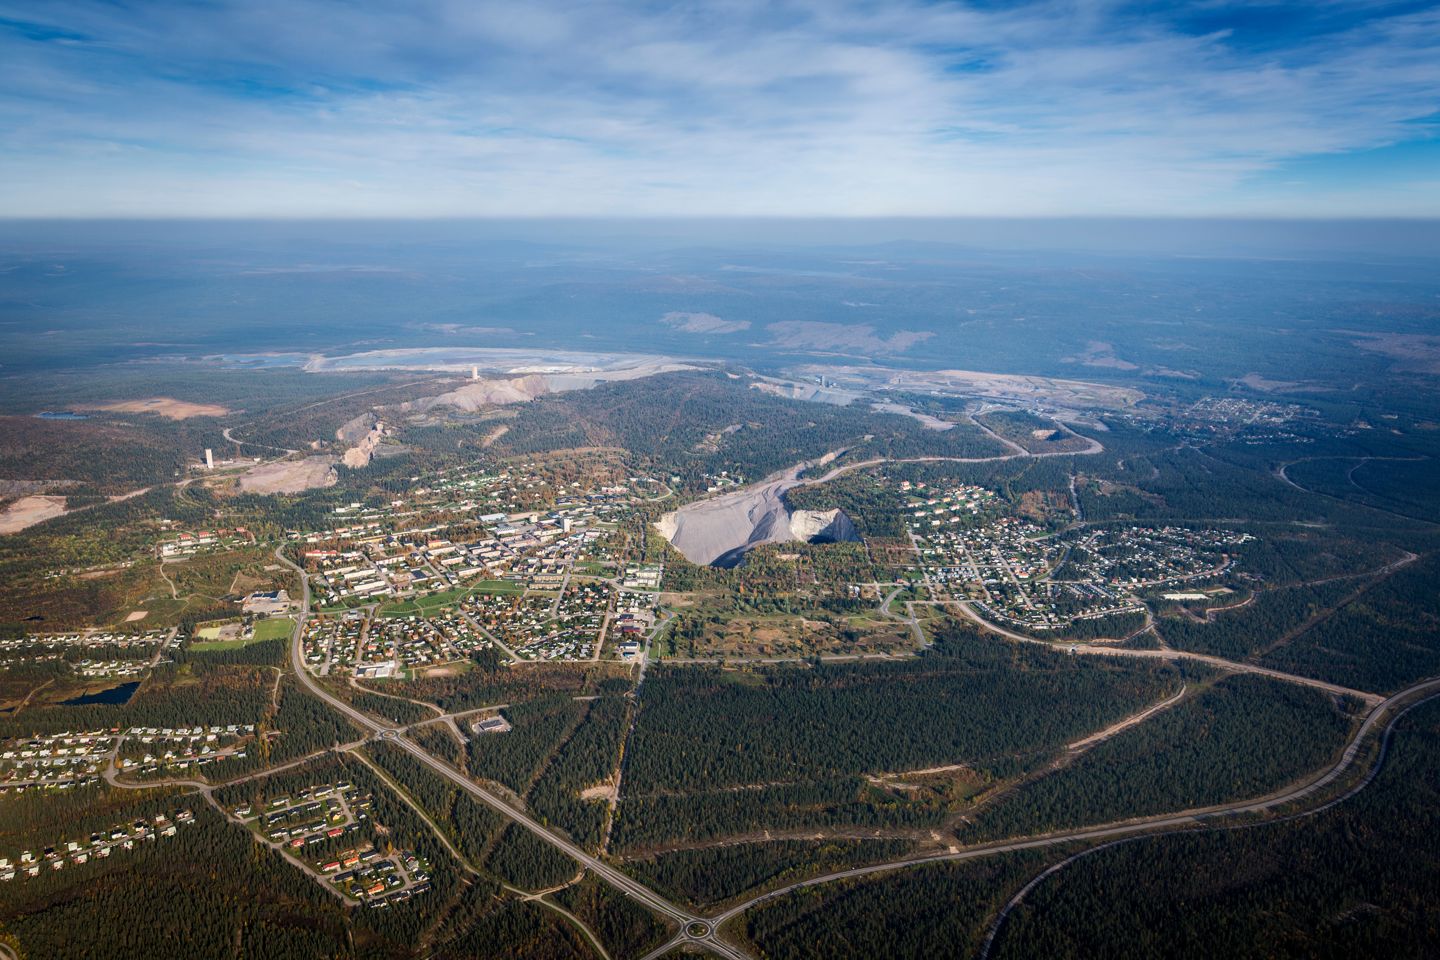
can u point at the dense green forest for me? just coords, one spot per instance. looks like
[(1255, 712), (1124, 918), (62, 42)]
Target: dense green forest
[(523, 859), (936, 910), (719, 752), (703, 728), (299, 726), (389, 703), (517, 757), (708, 876), (1253, 623), (466, 821), (437, 739), (624, 927), (645, 823), (478, 688), (1387, 637), (588, 758), (1357, 880), (1242, 737), (483, 925), (1404, 483)]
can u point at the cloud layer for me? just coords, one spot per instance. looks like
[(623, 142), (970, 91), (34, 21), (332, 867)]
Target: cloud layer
[(734, 107)]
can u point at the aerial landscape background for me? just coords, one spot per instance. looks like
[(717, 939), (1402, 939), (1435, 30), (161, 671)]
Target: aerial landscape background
[(760, 479)]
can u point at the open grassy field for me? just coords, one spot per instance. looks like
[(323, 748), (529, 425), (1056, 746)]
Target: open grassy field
[(277, 628), (437, 601)]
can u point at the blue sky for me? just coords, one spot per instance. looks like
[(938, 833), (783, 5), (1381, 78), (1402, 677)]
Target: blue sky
[(421, 108)]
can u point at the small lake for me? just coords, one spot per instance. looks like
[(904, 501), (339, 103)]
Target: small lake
[(112, 696), (60, 415)]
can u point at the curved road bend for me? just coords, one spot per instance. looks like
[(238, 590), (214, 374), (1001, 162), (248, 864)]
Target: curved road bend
[(781, 481), (693, 928), (1234, 666), (1023, 892), (1094, 448), (1157, 825)]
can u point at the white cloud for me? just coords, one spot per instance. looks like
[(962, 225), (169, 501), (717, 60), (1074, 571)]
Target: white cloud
[(452, 108)]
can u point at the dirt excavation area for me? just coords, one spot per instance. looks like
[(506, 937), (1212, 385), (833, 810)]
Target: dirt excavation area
[(290, 476), (28, 511), (167, 407)]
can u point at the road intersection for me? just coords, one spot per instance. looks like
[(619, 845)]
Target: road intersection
[(705, 932)]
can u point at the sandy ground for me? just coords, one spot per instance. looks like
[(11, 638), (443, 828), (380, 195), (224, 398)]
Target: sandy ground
[(290, 476), (601, 791), (1256, 382), (136, 615), (806, 391), (163, 406), (483, 393), (489, 391), (1098, 353), (931, 423), (28, 511), (355, 430)]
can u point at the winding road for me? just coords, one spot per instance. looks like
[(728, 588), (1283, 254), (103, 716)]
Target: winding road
[(999, 922), (1234, 666), (705, 931), (1153, 826)]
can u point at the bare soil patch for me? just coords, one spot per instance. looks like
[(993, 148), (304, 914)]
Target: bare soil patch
[(1256, 382), (163, 406), (601, 791), (1098, 353), (290, 476), (28, 511)]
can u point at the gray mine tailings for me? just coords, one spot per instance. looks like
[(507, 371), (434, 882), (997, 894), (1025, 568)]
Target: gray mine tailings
[(720, 530)]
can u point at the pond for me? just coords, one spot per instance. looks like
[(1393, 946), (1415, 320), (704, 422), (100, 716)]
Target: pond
[(110, 695)]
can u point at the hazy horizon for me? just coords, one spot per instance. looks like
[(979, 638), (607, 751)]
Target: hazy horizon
[(1229, 236)]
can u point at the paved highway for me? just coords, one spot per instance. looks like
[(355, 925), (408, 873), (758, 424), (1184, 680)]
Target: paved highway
[(1105, 650), (1164, 823), (703, 931), (1050, 871), (693, 928)]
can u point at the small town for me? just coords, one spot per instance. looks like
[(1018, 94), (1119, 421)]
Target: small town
[(1023, 574), (314, 828), (99, 846), (149, 751)]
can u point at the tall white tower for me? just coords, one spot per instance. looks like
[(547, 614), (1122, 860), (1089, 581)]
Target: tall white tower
[(474, 373), (209, 459)]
